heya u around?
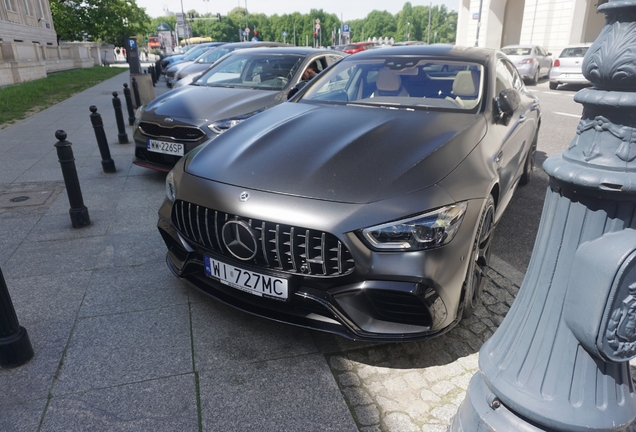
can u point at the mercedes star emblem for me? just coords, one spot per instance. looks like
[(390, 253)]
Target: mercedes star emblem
[(239, 239), (168, 119), (244, 196)]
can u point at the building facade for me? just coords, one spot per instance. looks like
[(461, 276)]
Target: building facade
[(27, 21), (552, 24)]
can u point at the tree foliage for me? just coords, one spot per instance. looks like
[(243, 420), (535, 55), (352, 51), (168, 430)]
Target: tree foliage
[(102, 20), (110, 21)]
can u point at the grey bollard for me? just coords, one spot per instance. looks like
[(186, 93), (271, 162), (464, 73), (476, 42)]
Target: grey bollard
[(135, 87), (15, 345), (560, 359), (122, 136), (108, 164), (129, 105), (78, 211)]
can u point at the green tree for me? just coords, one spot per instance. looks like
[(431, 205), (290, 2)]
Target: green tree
[(110, 21)]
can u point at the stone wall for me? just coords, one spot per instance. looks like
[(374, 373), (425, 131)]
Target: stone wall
[(22, 61)]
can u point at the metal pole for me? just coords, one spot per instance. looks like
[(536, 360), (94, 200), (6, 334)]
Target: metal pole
[(135, 87), (78, 211), (428, 38), (108, 165), (481, 3), (15, 346), (129, 105), (122, 136), (560, 359)]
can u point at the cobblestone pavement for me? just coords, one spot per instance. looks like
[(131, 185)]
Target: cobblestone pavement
[(418, 386)]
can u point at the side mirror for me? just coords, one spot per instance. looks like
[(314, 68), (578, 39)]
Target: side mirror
[(196, 77), (508, 102), (549, 54), (295, 89)]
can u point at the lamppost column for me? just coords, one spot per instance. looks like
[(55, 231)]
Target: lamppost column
[(560, 359)]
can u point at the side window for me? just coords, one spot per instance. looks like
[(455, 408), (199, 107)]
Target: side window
[(504, 78), (540, 51), (517, 82)]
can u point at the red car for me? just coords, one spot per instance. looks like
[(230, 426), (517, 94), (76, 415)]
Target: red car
[(357, 47)]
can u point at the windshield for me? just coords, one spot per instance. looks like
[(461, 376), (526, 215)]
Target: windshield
[(518, 51), (195, 52), (213, 55), (261, 71), (574, 52), (401, 82)]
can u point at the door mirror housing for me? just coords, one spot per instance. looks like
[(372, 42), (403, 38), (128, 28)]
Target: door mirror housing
[(295, 89), (508, 102)]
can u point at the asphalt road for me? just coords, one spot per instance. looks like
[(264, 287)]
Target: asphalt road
[(516, 232)]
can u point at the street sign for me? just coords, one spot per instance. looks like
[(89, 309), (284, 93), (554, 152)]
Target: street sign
[(247, 30), (345, 28), (284, 33), (317, 26)]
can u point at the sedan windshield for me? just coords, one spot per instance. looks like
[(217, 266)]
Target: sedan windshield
[(401, 82), (252, 70), (213, 55)]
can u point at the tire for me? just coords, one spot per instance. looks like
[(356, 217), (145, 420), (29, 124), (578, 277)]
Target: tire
[(553, 85), (479, 259), (528, 166), (535, 78)]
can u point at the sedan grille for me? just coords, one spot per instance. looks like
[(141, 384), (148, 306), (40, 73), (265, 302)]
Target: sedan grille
[(285, 248), (179, 133)]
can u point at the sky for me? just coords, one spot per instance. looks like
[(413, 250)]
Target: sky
[(347, 10)]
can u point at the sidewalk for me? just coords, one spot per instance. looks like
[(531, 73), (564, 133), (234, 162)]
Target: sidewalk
[(122, 345)]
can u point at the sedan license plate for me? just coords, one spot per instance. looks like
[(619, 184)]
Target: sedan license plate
[(245, 280), (165, 147)]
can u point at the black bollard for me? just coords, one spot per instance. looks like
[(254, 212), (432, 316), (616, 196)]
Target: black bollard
[(119, 117), (78, 211), (151, 69), (129, 105), (158, 67), (135, 87), (560, 359), (108, 164), (15, 346)]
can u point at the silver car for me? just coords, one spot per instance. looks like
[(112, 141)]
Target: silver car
[(532, 61), (568, 66)]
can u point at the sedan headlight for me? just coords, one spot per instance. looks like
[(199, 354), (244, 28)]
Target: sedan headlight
[(171, 189), (222, 125), (139, 111), (426, 231)]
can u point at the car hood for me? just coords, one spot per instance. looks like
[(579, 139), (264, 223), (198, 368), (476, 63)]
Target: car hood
[(196, 104), (194, 68), (339, 153)]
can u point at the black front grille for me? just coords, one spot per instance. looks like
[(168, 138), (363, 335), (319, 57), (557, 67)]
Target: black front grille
[(399, 307), (181, 133), (286, 248)]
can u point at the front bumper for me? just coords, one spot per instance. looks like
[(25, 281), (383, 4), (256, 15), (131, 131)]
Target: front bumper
[(388, 296)]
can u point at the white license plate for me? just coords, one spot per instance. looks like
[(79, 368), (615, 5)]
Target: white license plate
[(573, 75), (245, 280), (165, 147)]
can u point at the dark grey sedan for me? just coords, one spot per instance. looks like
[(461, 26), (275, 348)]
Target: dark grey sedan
[(237, 87), (366, 205)]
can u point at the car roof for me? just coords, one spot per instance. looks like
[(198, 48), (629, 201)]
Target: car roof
[(519, 46), (250, 44), (453, 52), (289, 49)]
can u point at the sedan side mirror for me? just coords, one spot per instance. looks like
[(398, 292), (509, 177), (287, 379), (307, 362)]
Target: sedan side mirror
[(508, 102), (295, 89)]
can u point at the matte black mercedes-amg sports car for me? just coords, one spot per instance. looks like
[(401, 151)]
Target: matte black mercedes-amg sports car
[(365, 205)]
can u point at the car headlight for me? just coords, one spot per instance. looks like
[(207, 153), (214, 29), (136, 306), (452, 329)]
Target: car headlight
[(426, 231), (139, 111), (222, 125), (171, 189)]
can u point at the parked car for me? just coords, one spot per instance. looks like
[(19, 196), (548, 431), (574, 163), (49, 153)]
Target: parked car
[(171, 70), (242, 84), (568, 67), (205, 60), (189, 55), (364, 206), (532, 61), (357, 47)]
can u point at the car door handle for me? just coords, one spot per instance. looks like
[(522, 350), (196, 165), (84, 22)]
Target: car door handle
[(498, 158), (522, 118)]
